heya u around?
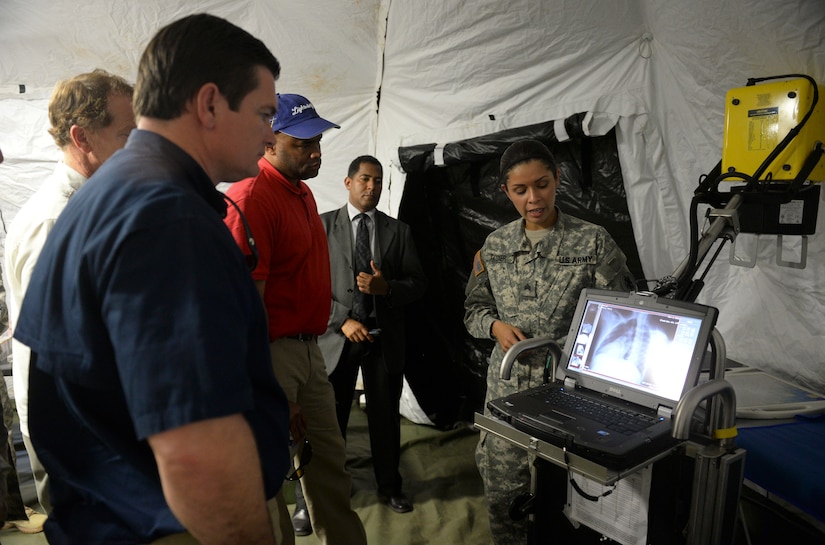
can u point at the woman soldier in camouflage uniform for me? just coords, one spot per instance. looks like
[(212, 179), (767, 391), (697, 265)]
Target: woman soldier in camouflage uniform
[(525, 282)]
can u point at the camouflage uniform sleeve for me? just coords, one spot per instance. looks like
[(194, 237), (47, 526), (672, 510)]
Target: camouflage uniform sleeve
[(479, 304), (612, 272)]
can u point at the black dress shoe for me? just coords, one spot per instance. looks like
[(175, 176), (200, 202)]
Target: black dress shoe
[(399, 503), (301, 523)]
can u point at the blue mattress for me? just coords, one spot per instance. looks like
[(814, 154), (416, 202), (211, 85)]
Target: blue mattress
[(787, 460)]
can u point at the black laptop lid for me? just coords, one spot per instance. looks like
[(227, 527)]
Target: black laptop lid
[(636, 346)]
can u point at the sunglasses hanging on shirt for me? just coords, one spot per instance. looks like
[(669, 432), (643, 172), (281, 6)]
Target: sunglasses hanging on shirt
[(303, 460), (252, 258)]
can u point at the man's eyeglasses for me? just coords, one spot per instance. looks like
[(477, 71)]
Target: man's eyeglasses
[(252, 258), (303, 461)]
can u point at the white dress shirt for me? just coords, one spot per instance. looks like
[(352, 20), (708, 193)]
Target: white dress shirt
[(24, 241)]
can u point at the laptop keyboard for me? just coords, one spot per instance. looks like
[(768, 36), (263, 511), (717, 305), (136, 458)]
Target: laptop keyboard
[(617, 420)]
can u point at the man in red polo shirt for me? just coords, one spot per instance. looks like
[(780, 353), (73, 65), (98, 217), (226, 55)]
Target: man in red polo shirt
[(292, 274)]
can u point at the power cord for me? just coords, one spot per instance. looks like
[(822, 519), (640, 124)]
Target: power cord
[(578, 488)]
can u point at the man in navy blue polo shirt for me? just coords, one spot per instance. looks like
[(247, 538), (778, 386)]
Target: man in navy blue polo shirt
[(153, 405)]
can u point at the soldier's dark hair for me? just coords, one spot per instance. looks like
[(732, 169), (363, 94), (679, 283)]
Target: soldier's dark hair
[(522, 151), (191, 52)]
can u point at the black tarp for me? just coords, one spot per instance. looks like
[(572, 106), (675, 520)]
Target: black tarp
[(451, 210)]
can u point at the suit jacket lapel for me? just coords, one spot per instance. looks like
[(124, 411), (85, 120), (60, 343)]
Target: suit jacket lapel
[(384, 236), (342, 235)]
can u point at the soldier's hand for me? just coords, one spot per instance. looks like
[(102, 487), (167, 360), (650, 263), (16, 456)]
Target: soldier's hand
[(506, 334)]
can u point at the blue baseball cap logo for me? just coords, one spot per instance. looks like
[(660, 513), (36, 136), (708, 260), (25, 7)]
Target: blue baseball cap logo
[(298, 118)]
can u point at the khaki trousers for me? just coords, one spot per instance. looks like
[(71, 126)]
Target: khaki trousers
[(299, 368)]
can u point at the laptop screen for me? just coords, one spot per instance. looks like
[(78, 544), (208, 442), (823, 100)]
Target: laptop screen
[(637, 346)]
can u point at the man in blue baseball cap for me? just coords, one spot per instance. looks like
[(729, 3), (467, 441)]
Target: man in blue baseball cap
[(292, 274)]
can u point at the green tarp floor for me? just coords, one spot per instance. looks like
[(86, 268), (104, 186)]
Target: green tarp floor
[(440, 477)]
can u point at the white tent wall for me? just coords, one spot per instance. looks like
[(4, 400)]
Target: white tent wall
[(449, 70), (771, 317), (456, 70), (329, 51)]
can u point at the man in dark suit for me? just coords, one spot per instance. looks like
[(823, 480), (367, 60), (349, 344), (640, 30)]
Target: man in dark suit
[(366, 322)]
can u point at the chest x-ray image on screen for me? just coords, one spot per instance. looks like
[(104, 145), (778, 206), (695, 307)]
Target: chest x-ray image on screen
[(648, 350)]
